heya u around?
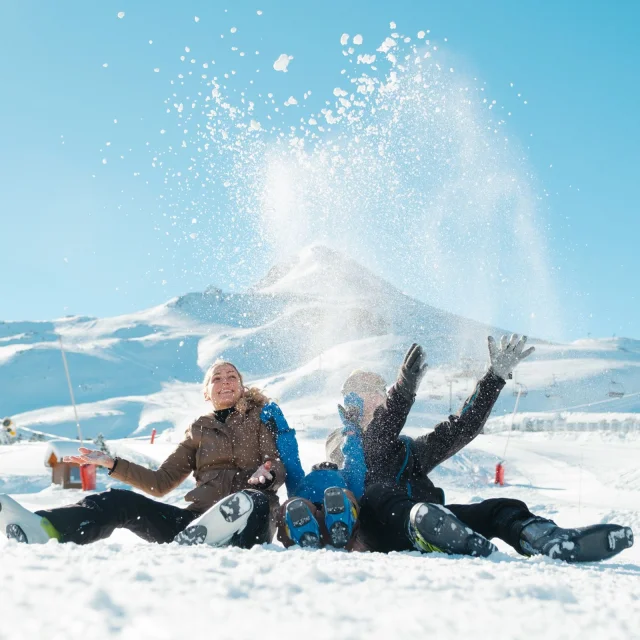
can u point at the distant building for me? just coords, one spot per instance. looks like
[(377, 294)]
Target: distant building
[(63, 473)]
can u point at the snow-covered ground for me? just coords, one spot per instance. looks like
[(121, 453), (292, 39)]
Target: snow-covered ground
[(126, 588), (572, 456)]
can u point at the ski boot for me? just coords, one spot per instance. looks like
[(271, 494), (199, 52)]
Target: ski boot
[(219, 525), (433, 528), (586, 544), (301, 525), (23, 525), (340, 516)]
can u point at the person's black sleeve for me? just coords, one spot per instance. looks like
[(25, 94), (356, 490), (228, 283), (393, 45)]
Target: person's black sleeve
[(453, 434), (380, 439)]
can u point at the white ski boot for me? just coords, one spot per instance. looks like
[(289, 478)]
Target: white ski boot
[(220, 523), (20, 524)]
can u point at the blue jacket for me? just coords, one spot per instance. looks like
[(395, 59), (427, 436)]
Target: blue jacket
[(311, 486)]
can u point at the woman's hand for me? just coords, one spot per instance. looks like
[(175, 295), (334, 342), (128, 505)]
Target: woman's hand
[(91, 456), (262, 475)]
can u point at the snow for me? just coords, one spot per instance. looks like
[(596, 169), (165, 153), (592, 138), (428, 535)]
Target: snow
[(127, 379), (282, 62), (62, 448), (388, 43), (129, 588), (571, 456)]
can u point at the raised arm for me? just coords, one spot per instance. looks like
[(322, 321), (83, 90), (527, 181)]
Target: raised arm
[(459, 430), (286, 445), (354, 468), (381, 436), (453, 434)]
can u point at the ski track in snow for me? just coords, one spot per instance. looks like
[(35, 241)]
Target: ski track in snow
[(126, 588)]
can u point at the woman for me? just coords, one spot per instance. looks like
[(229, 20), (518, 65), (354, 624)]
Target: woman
[(232, 456)]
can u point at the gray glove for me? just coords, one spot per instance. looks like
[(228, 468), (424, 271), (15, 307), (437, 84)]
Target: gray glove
[(411, 372), (504, 358)]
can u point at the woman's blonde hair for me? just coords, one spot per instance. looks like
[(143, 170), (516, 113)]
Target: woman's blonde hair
[(250, 395)]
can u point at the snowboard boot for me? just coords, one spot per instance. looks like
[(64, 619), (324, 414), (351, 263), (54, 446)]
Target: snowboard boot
[(433, 528), (340, 516), (218, 526), (23, 525), (586, 544), (301, 525)]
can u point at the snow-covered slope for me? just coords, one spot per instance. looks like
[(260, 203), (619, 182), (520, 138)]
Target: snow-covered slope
[(127, 588), (298, 332)]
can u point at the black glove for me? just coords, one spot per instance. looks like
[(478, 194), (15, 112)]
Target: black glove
[(411, 372)]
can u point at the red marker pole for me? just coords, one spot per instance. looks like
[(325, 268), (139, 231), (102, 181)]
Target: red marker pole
[(153, 435), (500, 474), (88, 477)]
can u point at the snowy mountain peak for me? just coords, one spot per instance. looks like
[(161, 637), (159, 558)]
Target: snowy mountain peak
[(318, 271)]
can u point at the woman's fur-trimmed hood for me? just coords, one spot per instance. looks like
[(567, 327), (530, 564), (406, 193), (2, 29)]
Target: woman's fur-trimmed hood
[(251, 398)]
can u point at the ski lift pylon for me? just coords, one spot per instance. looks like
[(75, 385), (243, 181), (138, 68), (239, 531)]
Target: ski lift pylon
[(520, 389), (552, 390), (616, 389)]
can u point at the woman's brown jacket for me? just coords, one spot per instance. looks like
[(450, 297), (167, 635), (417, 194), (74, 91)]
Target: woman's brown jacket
[(221, 456)]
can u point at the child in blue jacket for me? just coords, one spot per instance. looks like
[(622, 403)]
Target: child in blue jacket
[(323, 505)]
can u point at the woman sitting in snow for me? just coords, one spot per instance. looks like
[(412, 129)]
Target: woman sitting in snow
[(232, 456)]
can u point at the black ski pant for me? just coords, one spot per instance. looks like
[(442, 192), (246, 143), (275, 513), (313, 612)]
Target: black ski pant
[(385, 509), (97, 516)]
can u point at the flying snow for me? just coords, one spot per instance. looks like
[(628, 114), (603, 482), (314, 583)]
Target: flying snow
[(282, 62)]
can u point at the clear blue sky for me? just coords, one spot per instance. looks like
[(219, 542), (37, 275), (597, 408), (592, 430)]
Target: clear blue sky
[(74, 243)]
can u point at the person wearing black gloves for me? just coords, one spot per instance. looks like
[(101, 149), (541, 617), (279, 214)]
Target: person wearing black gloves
[(402, 509)]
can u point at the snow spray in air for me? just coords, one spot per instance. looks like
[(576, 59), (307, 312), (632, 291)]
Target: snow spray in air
[(407, 167)]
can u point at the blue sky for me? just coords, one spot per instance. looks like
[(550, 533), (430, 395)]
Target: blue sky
[(74, 243)]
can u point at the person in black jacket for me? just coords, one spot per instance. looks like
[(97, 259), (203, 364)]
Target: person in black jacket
[(402, 509)]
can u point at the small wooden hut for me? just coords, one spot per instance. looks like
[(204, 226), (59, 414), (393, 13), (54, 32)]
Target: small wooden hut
[(63, 473)]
